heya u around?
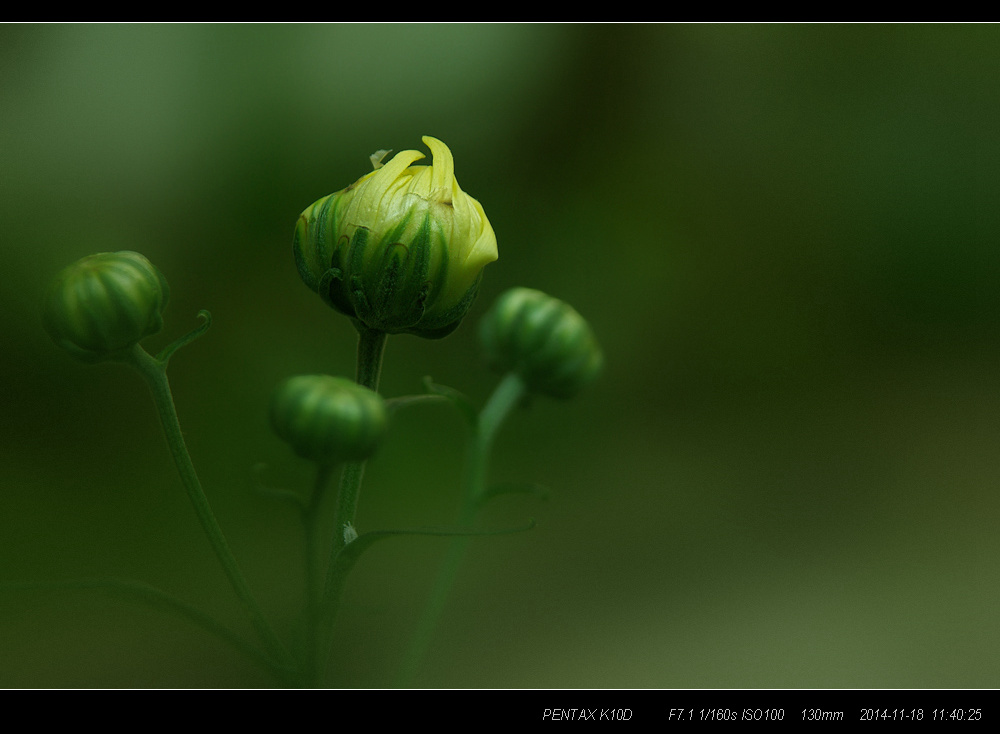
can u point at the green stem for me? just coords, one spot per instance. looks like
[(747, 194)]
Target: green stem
[(506, 397), (371, 347), (311, 517), (159, 599), (310, 520), (155, 373)]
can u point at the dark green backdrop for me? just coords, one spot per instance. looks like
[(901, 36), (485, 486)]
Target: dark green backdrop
[(785, 237)]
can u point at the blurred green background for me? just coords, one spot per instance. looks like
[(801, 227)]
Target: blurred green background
[(785, 237)]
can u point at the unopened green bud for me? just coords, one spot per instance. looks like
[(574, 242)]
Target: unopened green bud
[(328, 419), (102, 305), (543, 340), (401, 250)]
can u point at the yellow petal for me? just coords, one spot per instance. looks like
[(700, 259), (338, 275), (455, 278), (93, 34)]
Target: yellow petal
[(383, 179), (443, 169)]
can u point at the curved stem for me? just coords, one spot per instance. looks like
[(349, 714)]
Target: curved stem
[(160, 599), (505, 398), (155, 373), (507, 395)]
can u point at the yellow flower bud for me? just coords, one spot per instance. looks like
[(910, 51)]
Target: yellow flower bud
[(401, 250)]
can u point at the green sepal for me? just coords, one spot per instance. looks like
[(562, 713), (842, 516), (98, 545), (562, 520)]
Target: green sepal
[(399, 293), (331, 290), (338, 290), (442, 325)]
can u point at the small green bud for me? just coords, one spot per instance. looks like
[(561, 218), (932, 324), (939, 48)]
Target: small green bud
[(102, 305), (545, 341), (401, 250), (328, 419)]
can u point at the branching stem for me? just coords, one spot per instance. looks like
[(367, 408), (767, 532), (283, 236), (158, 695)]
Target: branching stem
[(155, 373), (507, 395)]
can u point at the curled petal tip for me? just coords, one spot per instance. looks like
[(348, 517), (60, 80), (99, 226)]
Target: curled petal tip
[(377, 157), (444, 163)]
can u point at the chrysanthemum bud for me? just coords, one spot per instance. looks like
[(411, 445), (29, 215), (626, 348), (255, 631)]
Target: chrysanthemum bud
[(101, 305), (401, 250), (328, 419), (545, 341)]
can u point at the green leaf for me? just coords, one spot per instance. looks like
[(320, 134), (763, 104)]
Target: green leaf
[(460, 401), (353, 550)]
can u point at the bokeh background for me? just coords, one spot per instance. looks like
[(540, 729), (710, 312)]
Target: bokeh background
[(785, 237)]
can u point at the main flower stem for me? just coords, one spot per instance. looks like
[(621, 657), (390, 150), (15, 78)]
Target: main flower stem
[(505, 397), (371, 347), (155, 373)]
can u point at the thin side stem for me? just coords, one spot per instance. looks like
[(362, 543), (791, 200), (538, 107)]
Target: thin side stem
[(154, 371), (505, 398)]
